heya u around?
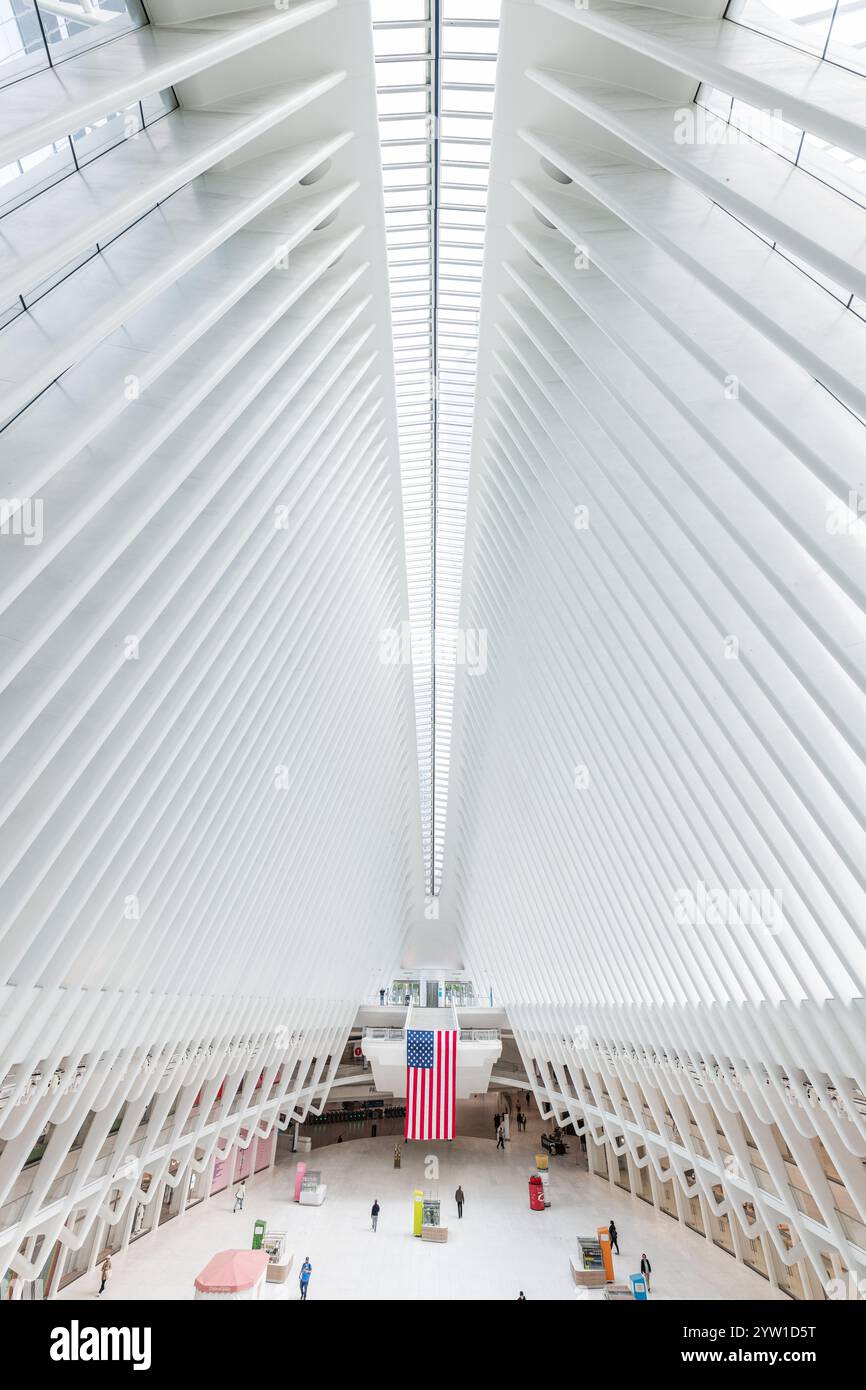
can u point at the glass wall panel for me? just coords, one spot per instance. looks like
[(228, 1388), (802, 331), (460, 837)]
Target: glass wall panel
[(22, 47), (100, 21)]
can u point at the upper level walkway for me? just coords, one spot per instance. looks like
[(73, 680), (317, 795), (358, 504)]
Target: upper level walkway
[(384, 1043), (394, 1016)]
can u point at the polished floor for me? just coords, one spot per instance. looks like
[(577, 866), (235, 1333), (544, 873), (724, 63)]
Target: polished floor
[(499, 1248)]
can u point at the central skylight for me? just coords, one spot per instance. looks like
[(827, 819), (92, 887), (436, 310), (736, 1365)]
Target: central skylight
[(435, 71)]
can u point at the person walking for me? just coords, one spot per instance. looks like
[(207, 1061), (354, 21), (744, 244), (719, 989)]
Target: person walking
[(381, 997), (374, 1212), (105, 1274), (521, 1120), (646, 1270), (306, 1271), (459, 1199), (521, 1297), (500, 1137), (240, 1194), (614, 1238), (497, 1120)]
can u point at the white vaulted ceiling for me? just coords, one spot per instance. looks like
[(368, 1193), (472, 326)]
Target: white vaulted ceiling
[(209, 797), (287, 315), (665, 551)]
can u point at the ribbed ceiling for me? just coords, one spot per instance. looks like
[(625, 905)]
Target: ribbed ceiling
[(209, 795), (656, 841), (240, 386)]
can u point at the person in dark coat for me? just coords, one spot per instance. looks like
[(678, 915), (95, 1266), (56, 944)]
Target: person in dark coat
[(614, 1238)]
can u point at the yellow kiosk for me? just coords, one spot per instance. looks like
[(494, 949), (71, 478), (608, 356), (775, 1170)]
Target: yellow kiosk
[(418, 1213)]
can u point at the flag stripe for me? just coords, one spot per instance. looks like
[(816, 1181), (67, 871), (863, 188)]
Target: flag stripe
[(453, 1110), (446, 1057)]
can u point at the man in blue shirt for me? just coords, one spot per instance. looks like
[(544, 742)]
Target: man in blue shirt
[(306, 1271)]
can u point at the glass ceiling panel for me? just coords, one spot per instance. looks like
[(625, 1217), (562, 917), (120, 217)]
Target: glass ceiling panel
[(436, 203), (830, 29), (835, 166)]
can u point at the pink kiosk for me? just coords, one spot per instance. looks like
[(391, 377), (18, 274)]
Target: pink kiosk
[(233, 1274)]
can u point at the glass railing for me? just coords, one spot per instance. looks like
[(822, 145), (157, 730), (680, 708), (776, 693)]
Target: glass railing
[(396, 997)]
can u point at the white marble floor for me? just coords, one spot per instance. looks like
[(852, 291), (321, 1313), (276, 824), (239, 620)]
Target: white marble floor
[(499, 1248)]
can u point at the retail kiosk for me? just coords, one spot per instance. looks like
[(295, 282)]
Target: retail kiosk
[(313, 1190), (588, 1266), (431, 1221), (280, 1261)]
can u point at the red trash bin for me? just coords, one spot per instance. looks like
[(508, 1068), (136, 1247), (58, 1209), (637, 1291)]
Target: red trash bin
[(536, 1193)]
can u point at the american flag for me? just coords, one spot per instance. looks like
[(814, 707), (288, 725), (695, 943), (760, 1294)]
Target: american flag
[(431, 1074)]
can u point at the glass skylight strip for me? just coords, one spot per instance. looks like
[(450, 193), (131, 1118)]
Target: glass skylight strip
[(470, 43), (436, 62)]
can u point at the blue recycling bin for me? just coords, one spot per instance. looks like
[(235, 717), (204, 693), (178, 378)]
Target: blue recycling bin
[(637, 1284)]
